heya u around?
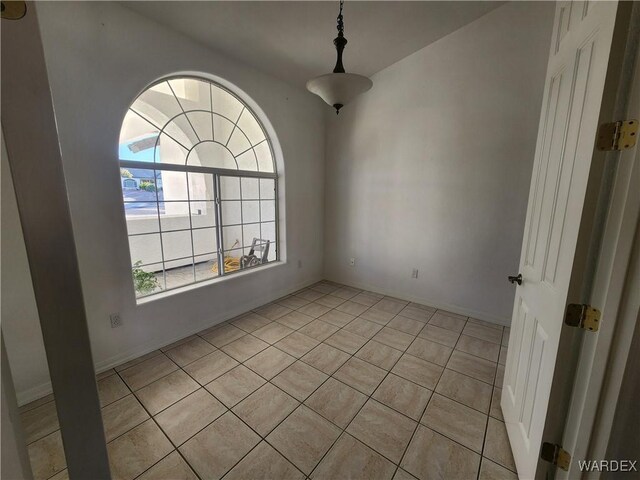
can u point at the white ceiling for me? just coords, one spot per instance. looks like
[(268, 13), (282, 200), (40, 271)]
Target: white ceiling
[(294, 40)]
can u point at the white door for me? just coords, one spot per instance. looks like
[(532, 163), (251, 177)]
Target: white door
[(575, 80)]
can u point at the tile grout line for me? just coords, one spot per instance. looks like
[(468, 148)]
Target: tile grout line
[(424, 410), (152, 418), (296, 359)]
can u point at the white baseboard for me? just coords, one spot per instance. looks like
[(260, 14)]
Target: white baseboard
[(34, 393), (467, 312)]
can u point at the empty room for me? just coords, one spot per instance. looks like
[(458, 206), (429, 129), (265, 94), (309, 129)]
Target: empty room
[(320, 240)]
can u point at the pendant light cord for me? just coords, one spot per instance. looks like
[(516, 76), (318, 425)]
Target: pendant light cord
[(340, 41)]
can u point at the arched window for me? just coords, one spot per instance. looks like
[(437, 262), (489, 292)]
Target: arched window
[(199, 185)]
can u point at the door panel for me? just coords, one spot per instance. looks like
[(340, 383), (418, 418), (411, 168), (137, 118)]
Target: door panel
[(573, 92)]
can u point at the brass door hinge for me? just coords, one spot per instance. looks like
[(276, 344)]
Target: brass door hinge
[(12, 10), (582, 316), (619, 135), (556, 455)]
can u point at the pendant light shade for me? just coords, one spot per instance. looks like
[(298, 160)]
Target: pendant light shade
[(339, 88)]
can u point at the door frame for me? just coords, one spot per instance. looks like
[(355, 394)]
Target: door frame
[(35, 159)]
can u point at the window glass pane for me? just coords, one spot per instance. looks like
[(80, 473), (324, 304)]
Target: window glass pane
[(142, 217), (229, 188), (238, 142), (170, 151), (250, 211), (192, 93), (147, 279), (157, 104), (232, 260), (268, 230), (250, 127), (232, 237), (179, 273), (137, 138), (222, 129), (176, 245), (231, 212), (267, 188), (201, 186), (174, 186), (181, 131), (225, 104), (250, 188), (145, 249), (251, 232), (204, 241), (267, 210), (247, 161), (213, 155), (206, 267), (203, 214), (174, 216), (265, 161), (202, 122), (139, 184)]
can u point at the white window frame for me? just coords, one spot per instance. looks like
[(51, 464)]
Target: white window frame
[(216, 173)]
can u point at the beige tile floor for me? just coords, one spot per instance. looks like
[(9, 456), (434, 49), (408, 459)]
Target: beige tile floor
[(328, 383)]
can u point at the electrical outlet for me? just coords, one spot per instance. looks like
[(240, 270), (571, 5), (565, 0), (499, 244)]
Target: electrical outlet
[(116, 321), (414, 273), (352, 262), (299, 263)]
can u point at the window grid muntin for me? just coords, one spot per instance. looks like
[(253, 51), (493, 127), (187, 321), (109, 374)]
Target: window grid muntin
[(218, 227), (161, 129), (216, 174)]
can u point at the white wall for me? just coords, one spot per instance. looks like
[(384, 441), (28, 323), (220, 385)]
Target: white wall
[(100, 56), (431, 168)]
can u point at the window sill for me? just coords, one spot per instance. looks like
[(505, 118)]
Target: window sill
[(206, 283)]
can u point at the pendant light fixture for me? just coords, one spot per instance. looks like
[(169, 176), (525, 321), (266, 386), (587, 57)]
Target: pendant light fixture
[(339, 88)]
